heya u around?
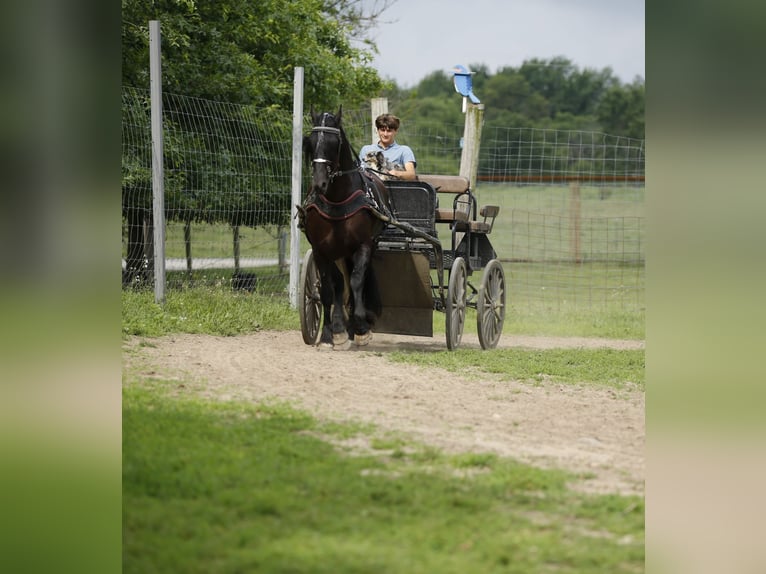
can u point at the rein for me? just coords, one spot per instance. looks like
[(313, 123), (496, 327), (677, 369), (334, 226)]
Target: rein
[(382, 173)]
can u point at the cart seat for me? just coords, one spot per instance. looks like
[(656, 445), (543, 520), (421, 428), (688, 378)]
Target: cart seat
[(489, 213), (479, 227), (455, 184), (447, 183), (448, 214)]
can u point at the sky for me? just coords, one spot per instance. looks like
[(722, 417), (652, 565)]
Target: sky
[(417, 37)]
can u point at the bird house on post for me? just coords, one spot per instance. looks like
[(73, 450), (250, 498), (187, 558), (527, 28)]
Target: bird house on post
[(469, 158), (464, 84)]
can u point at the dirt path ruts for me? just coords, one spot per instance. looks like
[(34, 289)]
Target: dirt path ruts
[(596, 432)]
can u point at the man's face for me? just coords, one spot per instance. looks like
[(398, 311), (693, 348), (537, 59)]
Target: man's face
[(386, 135)]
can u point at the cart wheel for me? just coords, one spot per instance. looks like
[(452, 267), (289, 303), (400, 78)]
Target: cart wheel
[(456, 296), (309, 300), (490, 305)]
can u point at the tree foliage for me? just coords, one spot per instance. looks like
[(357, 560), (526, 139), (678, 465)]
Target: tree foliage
[(621, 110), (540, 93), (242, 51), (239, 52)]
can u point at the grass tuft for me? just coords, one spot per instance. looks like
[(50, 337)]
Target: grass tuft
[(601, 367)]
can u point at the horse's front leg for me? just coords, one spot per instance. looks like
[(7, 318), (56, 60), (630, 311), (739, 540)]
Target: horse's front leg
[(334, 332), (327, 291), (331, 281), (361, 261), (339, 329)]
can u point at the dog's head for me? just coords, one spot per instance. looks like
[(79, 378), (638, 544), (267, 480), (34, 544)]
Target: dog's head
[(375, 160)]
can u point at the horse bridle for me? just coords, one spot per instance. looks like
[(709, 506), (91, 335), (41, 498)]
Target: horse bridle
[(332, 171)]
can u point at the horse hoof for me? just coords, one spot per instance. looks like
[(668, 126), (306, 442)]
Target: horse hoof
[(339, 339), (344, 346), (324, 347), (363, 339)]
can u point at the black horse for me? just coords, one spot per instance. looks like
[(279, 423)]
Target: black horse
[(345, 211)]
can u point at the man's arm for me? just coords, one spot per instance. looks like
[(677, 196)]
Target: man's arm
[(408, 158), (408, 173)]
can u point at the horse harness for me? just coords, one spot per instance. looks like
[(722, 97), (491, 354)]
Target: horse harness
[(367, 197)]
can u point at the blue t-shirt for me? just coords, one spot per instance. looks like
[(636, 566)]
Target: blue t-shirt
[(395, 153)]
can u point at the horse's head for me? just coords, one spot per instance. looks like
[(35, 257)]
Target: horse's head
[(323, 148)]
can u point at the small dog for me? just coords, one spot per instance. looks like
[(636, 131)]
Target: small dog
[(377, 162)]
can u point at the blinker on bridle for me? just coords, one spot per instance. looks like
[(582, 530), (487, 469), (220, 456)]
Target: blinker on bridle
[(321, 130)]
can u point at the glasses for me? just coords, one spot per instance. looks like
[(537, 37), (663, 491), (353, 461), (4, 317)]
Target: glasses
[(386, 129)]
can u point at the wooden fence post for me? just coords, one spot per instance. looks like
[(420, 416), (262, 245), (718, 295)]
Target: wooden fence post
[(574, 220), (377, 106), (469, 157), (188, 248), (235, 233)]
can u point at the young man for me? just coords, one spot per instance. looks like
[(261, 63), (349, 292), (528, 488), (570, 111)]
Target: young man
[(401, 156)]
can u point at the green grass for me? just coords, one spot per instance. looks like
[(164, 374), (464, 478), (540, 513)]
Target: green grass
[(217, 240), (217, 310), (233, 487), (535, 222), (601, 367), (209, 310)]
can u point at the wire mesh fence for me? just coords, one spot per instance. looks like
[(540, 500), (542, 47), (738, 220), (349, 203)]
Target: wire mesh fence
[(227, 192), (571, 222), (570, 231)]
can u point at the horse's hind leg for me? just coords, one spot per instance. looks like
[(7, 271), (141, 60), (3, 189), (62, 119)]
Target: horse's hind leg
[(361, 261)]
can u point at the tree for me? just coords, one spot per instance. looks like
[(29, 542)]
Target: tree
[(507, 90), (584, 89), (361, 16), (239, 52), (436, 84), (242, 51), (540, 94), (621, 112)]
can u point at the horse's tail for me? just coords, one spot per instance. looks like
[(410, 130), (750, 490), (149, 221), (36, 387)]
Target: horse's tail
[(372, 299)]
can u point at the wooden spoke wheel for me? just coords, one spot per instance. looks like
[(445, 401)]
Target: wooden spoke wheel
[(490, 305), (309, 300), (456, 303)]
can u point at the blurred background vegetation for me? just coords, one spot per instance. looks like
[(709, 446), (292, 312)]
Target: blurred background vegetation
[(244, 52)]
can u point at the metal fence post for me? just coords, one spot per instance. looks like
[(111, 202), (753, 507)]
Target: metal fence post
[(158, 171), (295, 238)]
